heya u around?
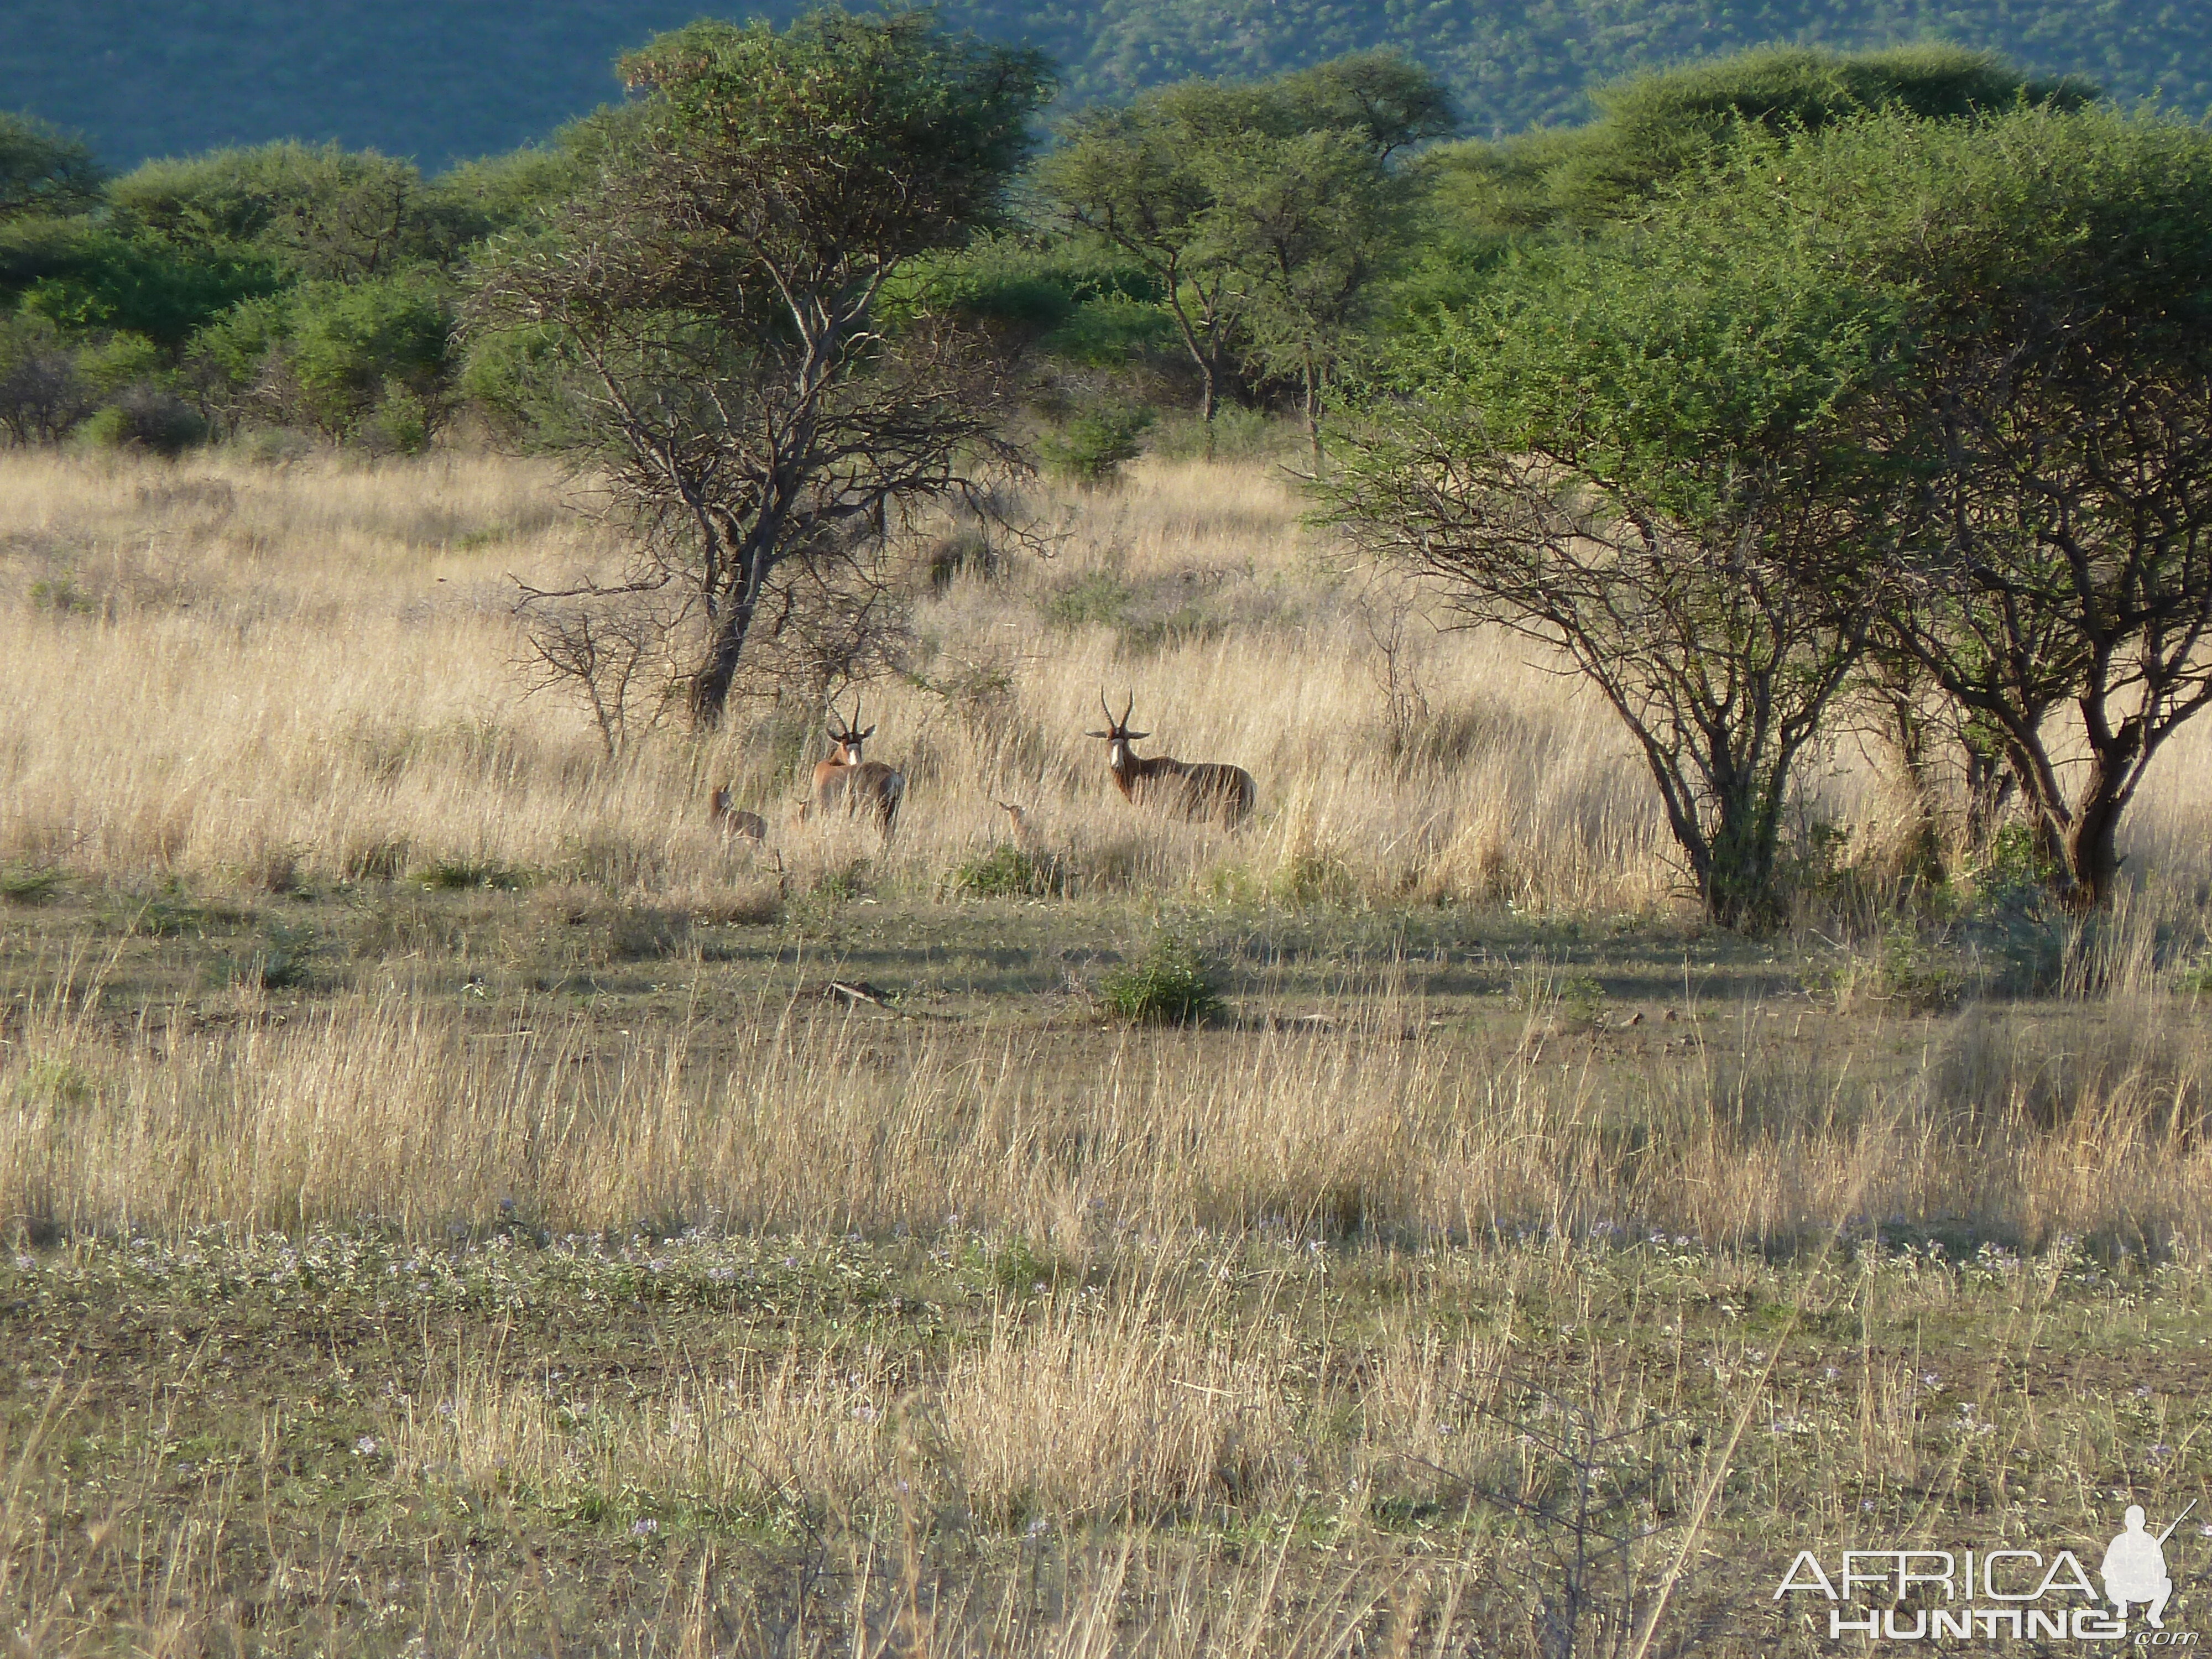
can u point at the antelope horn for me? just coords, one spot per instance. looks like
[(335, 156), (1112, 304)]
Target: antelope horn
[(1130, 709), (1105, 707)]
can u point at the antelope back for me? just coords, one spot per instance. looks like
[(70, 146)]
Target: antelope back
[(869, 787)]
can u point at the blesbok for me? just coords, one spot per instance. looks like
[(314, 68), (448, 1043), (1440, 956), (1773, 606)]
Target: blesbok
[(846, 783), (735, 821), (1196, 789)]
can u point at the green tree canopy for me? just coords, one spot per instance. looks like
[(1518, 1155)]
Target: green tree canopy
[(1937, 391), (319, 211), (702, 319), (90, 278), (1263, 212), (1651, 129), (41, 171), (2053, 271), (1628, 448)]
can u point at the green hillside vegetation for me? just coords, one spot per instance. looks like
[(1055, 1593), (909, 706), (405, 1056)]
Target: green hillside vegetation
[(1654, 129), (445, 82), (320, 289)]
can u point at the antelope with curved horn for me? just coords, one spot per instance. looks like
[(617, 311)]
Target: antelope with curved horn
[(846, 783), (1196, 789), (733, 820)]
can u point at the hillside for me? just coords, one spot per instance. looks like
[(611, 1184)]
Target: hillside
[(470, 77)]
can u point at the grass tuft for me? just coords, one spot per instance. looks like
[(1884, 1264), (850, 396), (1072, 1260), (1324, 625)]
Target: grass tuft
[(461, 875), (24, 884), (1008, 872), (1169, 987)]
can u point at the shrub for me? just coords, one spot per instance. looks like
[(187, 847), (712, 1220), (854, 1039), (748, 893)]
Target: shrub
[(1092, 447), (968, 552), (1098, 596), (1906, 970), (400, 424), (371, 358), (144, 416), (43, 394), (456, 875), (1169, 987), (23, 883), (279, 964), (1008, 872)]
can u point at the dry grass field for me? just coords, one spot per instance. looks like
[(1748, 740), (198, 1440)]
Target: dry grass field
[(447, 1211)]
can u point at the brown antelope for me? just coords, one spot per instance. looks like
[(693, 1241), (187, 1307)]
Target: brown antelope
[(846, 783), (1196, 789), (1026, 835), (732, 821)]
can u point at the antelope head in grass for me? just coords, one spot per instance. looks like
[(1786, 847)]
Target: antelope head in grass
[(858, 788), (733, 820), (1200, 790)]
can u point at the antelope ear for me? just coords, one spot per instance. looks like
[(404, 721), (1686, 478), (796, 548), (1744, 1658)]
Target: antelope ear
[(863, 736), (1133, 736), (1097, 734)]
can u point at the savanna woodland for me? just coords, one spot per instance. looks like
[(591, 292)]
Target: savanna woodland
[(617, 1034)]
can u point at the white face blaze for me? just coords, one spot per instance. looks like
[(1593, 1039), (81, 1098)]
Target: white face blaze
[(1118, 755)]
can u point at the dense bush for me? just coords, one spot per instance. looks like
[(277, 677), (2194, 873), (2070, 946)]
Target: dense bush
[(1091, 447), (146, 417), (42, 395)]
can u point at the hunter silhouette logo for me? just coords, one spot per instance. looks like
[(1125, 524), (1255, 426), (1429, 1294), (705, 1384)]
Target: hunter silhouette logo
[(1928, 1594), (2135, 1568)]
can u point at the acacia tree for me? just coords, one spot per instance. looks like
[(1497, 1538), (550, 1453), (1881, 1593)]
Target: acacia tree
[(2066, 378), (2050, 274), (1625, 451), (1305, 225), (1655, 130), (700, 324), (1131, 178), (1264, 212)]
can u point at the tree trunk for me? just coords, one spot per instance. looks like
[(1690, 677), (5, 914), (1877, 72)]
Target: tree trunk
[(710, 687), (1989, 785), (1313, 408), (1738, 888), (2091, 848)]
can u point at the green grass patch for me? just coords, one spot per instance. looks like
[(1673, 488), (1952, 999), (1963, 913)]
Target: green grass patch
[(1096, 596), (24, 884), (462, 875), (1171, 985), (1007, 872)]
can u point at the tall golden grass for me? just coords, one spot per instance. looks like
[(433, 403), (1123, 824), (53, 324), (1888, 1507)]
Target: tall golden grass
[(237, 673), (226, 668), (220, 669), (389, 1109)]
